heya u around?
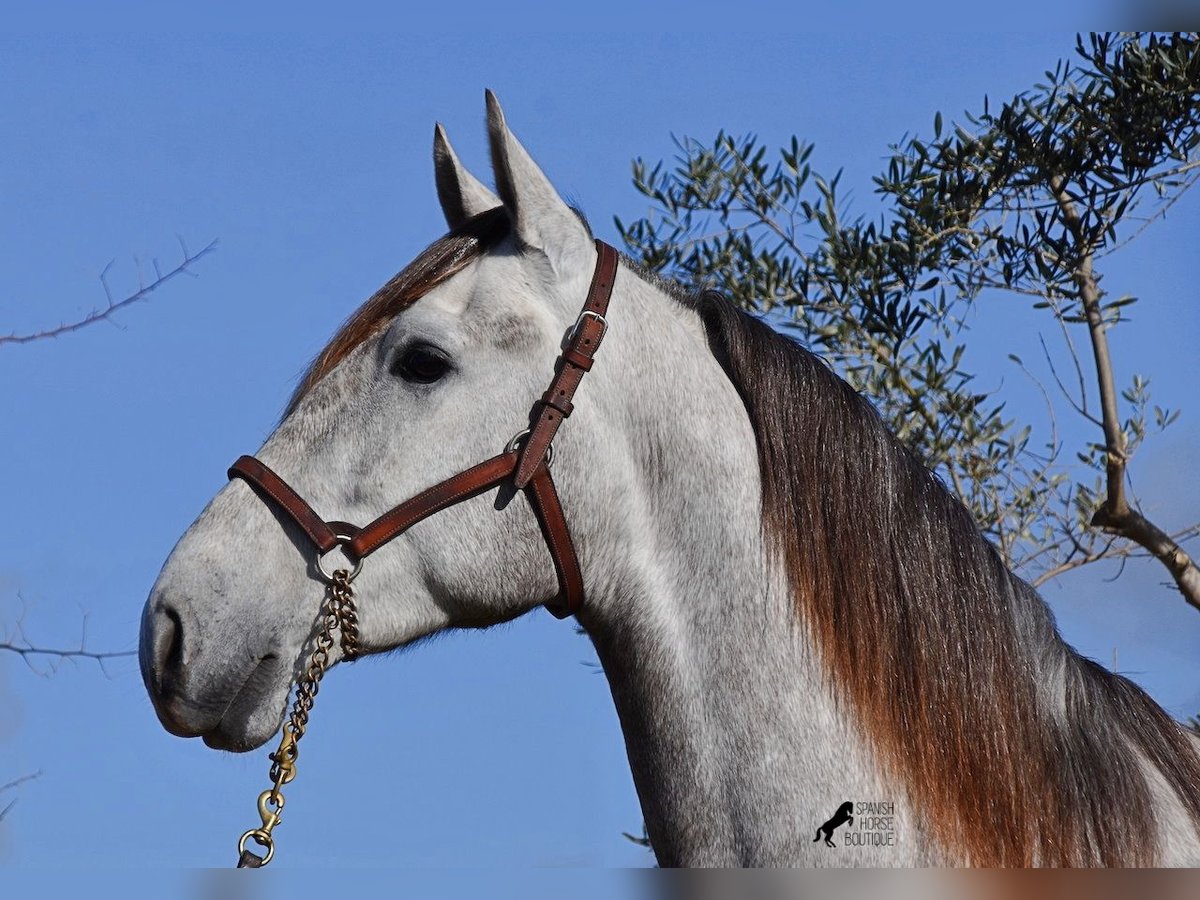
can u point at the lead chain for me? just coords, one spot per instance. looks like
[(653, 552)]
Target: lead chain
[(338, 613)]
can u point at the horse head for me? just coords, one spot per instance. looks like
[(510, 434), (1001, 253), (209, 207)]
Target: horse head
[(434, 373)]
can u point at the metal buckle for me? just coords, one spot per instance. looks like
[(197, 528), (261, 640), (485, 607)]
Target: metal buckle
[(579, 322), (520, 436), (343, 539)]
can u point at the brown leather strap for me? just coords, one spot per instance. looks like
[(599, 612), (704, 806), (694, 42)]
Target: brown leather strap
[(462, 486), (574, 362), (249, 860), (544, 499), (269, 485)]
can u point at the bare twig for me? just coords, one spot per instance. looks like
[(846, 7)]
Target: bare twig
[(18, 643), (26, 651), (1078, 407), (1075, 562), (1070, 342), (106, 312), (16, 782)]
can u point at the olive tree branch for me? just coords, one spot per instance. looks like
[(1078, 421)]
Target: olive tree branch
[(1160, 213), (1116, 515)]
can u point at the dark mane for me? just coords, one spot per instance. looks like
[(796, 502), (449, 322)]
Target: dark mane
[(1014, 749), (446, 256)]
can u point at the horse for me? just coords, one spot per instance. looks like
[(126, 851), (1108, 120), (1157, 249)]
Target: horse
[(788, 606)]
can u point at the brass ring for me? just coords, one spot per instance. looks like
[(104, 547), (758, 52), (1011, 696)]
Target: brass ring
[(262, 839)]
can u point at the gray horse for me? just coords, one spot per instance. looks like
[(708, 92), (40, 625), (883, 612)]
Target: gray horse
[(789, 608)]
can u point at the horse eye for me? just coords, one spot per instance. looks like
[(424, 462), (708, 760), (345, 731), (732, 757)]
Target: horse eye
[(421, 364)]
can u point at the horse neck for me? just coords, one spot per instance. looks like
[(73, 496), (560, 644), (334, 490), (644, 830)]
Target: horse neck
[(737, 748)]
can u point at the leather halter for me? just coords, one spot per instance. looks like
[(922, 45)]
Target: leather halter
[(526, 463)]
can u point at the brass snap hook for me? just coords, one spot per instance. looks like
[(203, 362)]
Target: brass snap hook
[(270, 809)]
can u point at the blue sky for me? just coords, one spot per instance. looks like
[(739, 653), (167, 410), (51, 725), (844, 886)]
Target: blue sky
[(310, 161)]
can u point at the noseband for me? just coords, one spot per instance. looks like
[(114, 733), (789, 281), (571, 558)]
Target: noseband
[(526, 461)]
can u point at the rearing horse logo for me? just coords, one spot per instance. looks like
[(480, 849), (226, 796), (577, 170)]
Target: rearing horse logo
[(843, 816)]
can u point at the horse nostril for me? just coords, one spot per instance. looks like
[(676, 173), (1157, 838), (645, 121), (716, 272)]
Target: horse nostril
[(168, 644)]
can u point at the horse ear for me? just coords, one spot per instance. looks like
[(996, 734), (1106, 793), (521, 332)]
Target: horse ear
[(541, 218), (461, 193)]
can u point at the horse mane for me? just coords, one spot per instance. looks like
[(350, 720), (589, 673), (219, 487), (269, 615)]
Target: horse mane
[(1015, 750), (438, 262)]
